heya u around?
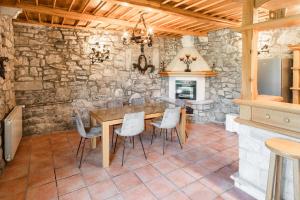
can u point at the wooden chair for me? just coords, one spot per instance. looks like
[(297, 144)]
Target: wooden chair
[(169, 121), (93, 132), (133, 125), (282, 148)]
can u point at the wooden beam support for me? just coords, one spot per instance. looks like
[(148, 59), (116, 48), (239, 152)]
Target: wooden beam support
[(208, 5), (259, 3), (181, 2), (88, 17), (293, 20), (169, 9), (249, 54)]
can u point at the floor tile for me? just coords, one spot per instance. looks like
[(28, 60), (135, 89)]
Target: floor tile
[(139, 192), (70, 184), (236, 194), (180, 178), (13, 186), (103, 190), (45, 192), (81, 194), (41, 177), (65, 172), (161, 187), (217, 183), (147, 173), (126, 181), (177, 195), (211, 164), (197, 171), (196, 190), (165, 166)]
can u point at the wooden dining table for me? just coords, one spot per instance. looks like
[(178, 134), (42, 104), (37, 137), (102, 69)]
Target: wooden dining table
[(114, 116)]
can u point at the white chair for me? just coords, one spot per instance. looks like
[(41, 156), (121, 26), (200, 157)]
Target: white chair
[(133, 124), (169, 121), (93, 132), (137, 101)]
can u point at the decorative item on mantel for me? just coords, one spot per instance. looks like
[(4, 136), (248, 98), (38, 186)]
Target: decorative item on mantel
[(162, 66), (187, 60), (99, 54), (2, 69)]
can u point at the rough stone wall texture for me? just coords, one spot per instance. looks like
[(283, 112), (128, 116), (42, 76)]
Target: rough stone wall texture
[(278, 41), (53, 72), (222, 50), (7, 95)]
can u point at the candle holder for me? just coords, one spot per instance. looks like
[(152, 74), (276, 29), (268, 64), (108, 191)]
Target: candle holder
[(188, 60)]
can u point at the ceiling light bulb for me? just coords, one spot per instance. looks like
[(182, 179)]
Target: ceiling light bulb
[(125, 34), (150, 31)]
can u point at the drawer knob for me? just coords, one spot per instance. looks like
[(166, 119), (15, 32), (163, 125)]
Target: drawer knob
[(268, 116), (287, 120)]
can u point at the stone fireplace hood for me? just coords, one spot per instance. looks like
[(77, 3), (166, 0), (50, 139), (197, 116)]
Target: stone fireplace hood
[(188, 48)]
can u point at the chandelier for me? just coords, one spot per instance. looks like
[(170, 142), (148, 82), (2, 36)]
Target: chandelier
[(99, 54), (143, 36)]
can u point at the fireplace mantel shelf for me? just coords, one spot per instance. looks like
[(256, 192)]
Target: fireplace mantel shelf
[(188, 74)]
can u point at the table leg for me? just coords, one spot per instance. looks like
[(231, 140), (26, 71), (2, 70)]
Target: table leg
[(93, 122), (182, 126), (105, 144)]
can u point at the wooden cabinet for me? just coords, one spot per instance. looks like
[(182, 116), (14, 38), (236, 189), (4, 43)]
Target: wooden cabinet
[(296, 73), (276, 118)]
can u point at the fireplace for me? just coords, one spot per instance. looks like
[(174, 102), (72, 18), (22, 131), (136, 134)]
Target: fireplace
[(186, 89)]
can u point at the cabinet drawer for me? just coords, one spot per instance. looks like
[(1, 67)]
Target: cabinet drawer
[(276, 118)]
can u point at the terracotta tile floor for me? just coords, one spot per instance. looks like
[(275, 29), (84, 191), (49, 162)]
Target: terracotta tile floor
[(45, 167)]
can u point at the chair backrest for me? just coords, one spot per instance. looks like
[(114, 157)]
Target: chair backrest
[(114, 104), (171, 118), (79, 124), (133, 124), (138, 101), (180, 102)]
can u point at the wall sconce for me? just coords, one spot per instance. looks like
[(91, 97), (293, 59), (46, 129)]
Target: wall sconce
[(99, 54), (264, 49), (2, 69)]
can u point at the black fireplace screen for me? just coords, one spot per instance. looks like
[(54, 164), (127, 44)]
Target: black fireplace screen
[(186, 89)]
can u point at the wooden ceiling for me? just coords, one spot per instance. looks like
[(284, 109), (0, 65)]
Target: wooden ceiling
[(166, 17)]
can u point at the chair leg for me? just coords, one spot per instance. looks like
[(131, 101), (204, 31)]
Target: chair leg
[(296, 177), (171, 135), (116, 143), (124, 143), (153, 133), (271, 176), (133, 142), (142, 145), (166, 134), (186, 135), (278, 178), (164, 143), (82, 153), (178, 138), (78, 147), (112, 137)]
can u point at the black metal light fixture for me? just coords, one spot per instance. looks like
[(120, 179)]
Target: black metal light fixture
[(99, 54), (139, 36)]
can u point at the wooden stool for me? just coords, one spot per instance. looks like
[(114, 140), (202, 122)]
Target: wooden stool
[(282, 148)]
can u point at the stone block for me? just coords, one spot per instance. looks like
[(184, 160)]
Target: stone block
[(29, 85)]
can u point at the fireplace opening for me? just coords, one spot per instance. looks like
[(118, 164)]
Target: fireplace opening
[(186, 89)]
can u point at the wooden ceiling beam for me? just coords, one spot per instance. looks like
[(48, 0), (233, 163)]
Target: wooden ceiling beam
[(259, 3), (169, 9), (88, 17), (194, 4)]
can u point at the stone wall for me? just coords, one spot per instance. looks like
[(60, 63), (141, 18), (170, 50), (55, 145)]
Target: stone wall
[(222, 50), (278, 41), (7, 95), (53, 72)]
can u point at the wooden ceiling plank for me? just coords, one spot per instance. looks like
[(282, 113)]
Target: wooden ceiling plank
[(194, 4), (88, 17), (219, 7), (180, 3), (54, 3), (146, 4), (125, 13), (26, 15), (259, 3), (171, 21), (40, 20), (98, 8), (112, 10), (208, 5), (166, 1), (69, 9), (159, 20)]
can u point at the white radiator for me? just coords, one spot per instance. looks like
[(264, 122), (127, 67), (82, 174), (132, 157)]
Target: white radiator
[(12, 132)]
